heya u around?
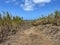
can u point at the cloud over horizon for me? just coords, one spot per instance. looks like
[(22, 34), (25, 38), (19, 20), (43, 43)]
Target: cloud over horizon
[(41, 1), (29, 5)]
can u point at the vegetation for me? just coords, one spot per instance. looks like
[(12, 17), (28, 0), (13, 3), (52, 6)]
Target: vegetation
[(53, 18), (6, 18), (10, 24)]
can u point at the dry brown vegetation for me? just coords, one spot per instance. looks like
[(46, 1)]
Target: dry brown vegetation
[(53, 18), (42, 31)]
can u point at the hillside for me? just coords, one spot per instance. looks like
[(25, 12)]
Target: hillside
[(42, 31)]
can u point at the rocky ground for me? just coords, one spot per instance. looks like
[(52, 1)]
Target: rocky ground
[(35, 35)]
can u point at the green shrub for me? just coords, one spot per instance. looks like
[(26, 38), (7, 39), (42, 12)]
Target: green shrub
[(53, 18)]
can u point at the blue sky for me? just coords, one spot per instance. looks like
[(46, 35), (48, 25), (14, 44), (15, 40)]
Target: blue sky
[(29, 9)]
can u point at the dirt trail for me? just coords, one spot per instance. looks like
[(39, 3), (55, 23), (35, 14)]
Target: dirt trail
[(28, 37)]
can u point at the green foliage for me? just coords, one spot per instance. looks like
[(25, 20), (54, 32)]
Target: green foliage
[(53, 18), (6, 18), (17, 20), (57, 17)]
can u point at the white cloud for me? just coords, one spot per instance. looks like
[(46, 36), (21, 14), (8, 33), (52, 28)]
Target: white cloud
[(42, 4), (29, 4), (16, 3), (41, 1), (27, 7), (7, 1), (14, 0)]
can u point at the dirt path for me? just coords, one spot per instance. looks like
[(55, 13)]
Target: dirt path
[(28, 37)]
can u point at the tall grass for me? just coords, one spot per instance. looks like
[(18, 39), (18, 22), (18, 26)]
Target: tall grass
[(6, 18), (53, 18)]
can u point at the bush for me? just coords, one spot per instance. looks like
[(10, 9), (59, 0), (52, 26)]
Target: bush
[(53, 18), (8, 25)]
